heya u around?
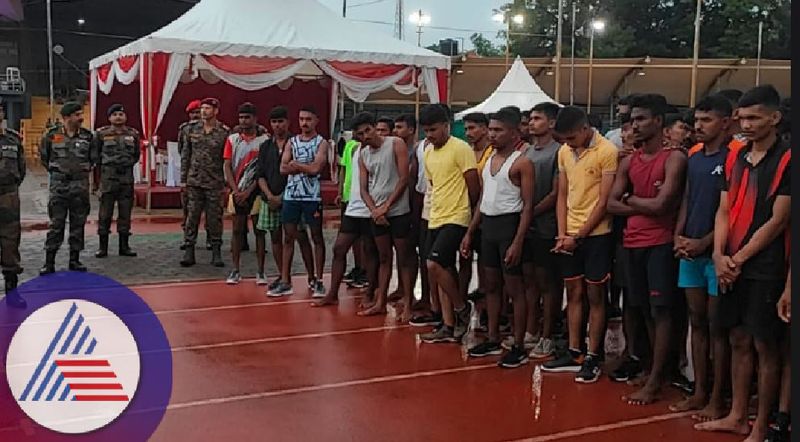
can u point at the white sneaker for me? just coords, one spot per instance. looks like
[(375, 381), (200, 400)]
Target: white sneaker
[(233, 277), (261, 279), (530, 342)]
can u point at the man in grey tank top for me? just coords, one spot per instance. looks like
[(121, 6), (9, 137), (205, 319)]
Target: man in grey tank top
[(383, 170)]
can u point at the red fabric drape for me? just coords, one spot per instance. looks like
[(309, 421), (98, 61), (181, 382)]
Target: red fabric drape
[(153, 76), (366, 70), (248, 65), (103, 72), (442, 77), (301, 93), (126, 63)]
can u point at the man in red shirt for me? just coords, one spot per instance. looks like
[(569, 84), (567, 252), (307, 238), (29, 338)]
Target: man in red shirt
[(750, 258), (655, 177), (241, 177)]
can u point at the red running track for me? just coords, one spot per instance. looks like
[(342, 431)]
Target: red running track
[(247, 368)]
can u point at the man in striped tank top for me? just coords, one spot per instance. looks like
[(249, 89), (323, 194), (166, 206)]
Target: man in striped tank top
[(303, 161), (504, 213), (655, 176)]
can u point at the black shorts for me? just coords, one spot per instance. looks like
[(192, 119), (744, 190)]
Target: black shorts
[(538, 252), (652, 276), (247, 207), (620, 273), (443, 244), (422, 238), (499, 232), (591, 260), (356, 226), (398, 227), (751, 304)]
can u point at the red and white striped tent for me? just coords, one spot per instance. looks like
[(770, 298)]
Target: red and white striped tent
[(251, 45)]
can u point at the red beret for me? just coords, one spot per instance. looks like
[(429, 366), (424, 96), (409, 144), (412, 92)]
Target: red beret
[(193, 106)]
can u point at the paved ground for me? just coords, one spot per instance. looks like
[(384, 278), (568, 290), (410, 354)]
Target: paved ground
[(158, 258), (156, 239)]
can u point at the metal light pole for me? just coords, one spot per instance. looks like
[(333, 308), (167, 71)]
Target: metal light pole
[(596, 25), (572, 60), (558, 50), (758, 56), (50, 58), (419, 19), (696, 54), (508, 39)]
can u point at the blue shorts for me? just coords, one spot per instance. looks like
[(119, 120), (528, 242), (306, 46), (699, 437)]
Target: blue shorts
[(294, 212), (697, 274)]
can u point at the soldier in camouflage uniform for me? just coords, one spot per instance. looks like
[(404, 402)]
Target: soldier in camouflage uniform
[(193, 112), (203, 180), (117, 147), (12, 172), (66, 152)]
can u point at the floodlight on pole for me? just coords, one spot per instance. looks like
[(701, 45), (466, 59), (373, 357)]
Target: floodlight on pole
[(518, 19), (598, 25), (419, 18)]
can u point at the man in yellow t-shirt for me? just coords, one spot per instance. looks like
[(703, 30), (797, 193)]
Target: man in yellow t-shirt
[(587, 163), (451, 172)]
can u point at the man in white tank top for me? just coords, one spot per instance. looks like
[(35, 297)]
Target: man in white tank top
[(504, 215), (383, 173)]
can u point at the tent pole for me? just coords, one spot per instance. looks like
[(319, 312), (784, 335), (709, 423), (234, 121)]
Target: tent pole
[(50, 59), (148, 204), (558, 49), (416, 101)]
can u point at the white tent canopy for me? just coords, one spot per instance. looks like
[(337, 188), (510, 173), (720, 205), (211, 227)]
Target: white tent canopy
[(518, 88), (255, 44)]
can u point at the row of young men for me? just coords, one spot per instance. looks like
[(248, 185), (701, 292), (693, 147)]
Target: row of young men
[(713, 218), (272, 179)]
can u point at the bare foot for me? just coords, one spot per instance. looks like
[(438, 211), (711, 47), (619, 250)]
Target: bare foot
[(404, 316), (727, 424), (645, 396), (690, 403), (756, 436), (709, 413), (373, 311), (638, 382), (366, 303), (326, 301)]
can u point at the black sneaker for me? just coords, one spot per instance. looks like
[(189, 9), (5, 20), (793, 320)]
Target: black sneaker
[(443, 334), (590, 370), (682, 383), (570, 362), (434, 319), (631, 368), (462, 320), (517, 357), (351, 275), (475, 295), (778, 430), (483, 349)]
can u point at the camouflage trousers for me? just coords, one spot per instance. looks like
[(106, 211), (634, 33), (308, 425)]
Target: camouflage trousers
[(67, 199), (10, 231), (185, 207), (112, 191), (208, 201)]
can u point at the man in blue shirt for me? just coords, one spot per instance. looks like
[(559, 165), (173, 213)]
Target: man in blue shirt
[(694, 236)]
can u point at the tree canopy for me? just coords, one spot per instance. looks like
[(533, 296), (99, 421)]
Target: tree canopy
[(658, 28)]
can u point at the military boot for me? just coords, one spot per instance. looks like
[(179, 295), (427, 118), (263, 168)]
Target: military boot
[(216, 256), (13, 298), (74, 261), (102, 251), (124, 248), (49, 263), (188, 257)]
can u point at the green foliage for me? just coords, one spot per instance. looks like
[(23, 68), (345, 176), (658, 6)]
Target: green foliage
[(659, 28), (484, 47)]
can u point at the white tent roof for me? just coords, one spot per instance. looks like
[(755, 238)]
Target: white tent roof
[(300, 29), (518, 88)]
